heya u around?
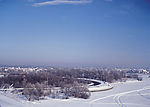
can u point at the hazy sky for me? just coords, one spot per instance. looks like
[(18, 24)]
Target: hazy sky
[(75, 32)]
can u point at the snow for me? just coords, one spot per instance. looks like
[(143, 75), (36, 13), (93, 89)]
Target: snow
[(129, 94), (10, 101)]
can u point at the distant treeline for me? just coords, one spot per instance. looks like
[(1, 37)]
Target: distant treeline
[(103, 75)]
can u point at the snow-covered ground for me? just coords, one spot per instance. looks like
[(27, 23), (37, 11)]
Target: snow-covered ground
[(124, 94)]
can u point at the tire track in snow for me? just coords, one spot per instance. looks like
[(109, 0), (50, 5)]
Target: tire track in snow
[(117, 96), (143, 95), (141, 105), (118, 100)]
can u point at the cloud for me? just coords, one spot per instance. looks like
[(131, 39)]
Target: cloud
[(56, 2)]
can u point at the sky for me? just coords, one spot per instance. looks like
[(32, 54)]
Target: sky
[(75, 32)]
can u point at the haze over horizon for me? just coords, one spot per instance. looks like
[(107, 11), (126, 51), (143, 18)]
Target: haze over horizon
[(75, 32)]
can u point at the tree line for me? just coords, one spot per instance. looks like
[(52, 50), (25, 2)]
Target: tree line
[(56, 84)]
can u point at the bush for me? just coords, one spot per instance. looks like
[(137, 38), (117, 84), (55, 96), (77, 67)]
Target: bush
[(76, 90), (34, 92)]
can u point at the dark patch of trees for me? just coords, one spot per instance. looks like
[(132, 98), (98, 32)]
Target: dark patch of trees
[(107, 76), (36, 85)]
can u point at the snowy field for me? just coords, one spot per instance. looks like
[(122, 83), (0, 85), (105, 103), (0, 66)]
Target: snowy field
[(127, 94)]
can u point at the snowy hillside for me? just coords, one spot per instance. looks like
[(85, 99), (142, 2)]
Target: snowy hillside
[(130, 94)]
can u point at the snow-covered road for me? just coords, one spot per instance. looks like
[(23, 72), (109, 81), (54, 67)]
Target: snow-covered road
[(128, 94)]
